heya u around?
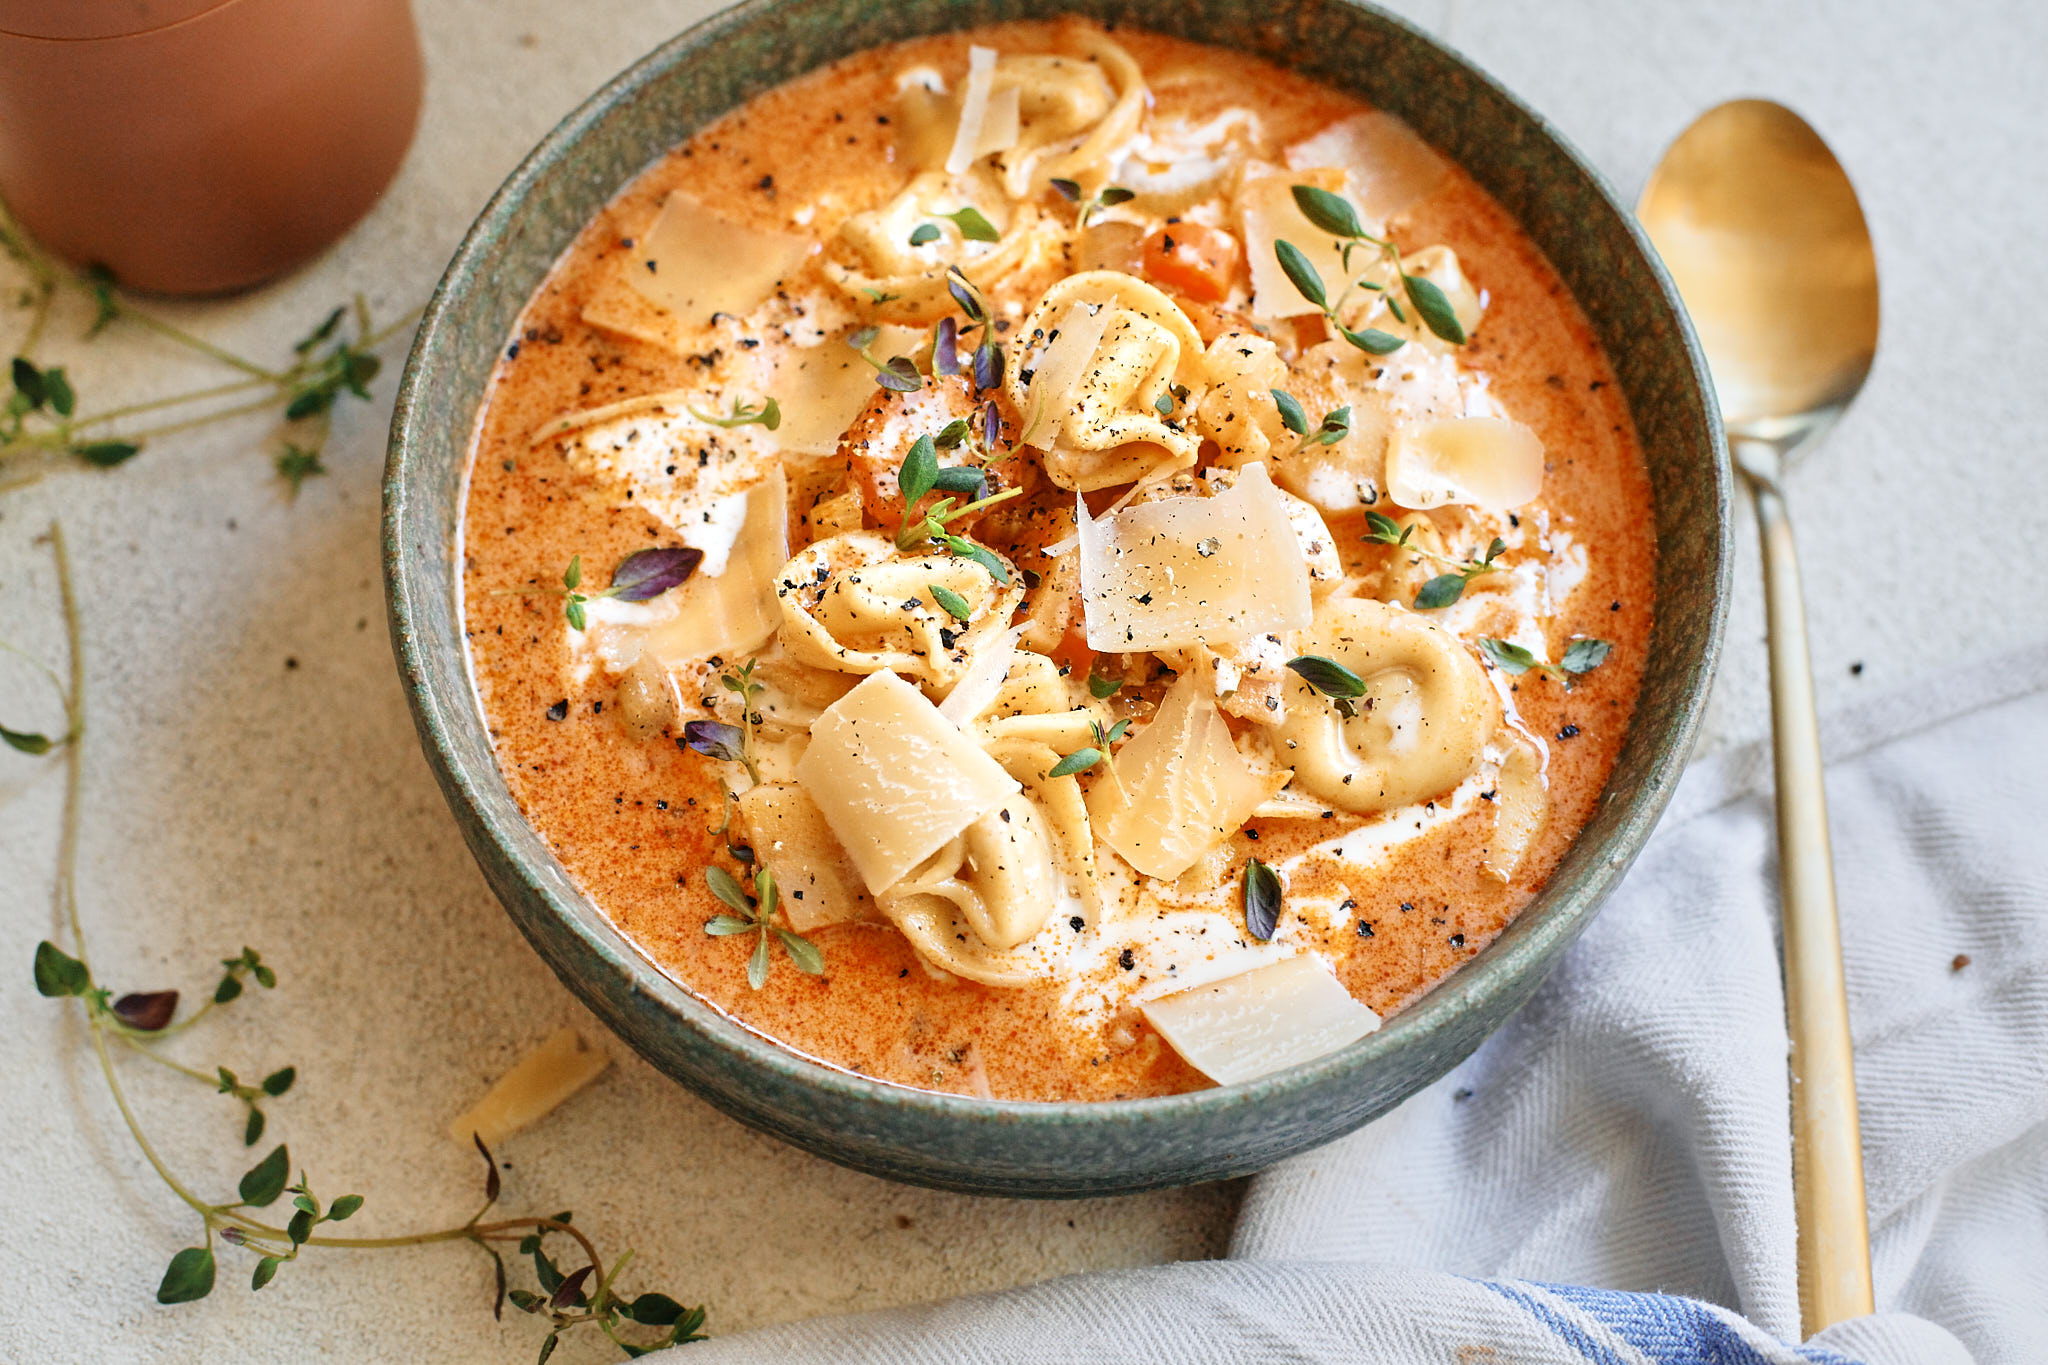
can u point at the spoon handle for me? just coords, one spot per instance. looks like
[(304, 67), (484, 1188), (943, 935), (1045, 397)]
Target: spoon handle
[(1827, 1146)]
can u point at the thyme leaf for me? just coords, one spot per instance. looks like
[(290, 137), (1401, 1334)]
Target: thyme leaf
[(1262, 899)]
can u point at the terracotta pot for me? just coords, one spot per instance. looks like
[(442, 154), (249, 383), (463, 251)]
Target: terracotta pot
[(197, 146)]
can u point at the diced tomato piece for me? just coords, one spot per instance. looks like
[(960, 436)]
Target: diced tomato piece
[(1194, 260)]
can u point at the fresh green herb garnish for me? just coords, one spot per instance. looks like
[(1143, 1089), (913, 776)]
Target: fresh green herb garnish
[(1262, 899), (136, 1022), (879, 295), (1332, 679), (954, 604), (1110, 196), (1334, 427), (920, 474), (923, 233), (1101, 688), (1446, 587), (756, 915), (1081, 760), (1582, 655), (1333, 214), (767, 412)]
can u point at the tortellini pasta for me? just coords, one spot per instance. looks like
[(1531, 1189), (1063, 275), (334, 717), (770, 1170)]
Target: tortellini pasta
[(874, 253), (855, 604), (1110, 393), (1421, 727), (1074, 113), (997, 904)]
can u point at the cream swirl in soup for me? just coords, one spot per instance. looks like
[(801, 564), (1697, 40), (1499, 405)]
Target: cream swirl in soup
[(1056, 564)]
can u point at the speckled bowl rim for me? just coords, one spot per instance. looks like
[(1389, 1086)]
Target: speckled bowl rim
[(1497, 978)]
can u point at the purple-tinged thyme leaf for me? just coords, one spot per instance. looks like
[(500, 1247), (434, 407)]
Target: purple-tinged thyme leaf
[(946, 347), (146, 1010), (714, 739), (647, 574)]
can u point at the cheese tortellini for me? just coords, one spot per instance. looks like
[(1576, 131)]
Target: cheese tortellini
[(1073, 113), (855, 604), (878, 254), (1421, 727), (1110, 392), (997, 903)]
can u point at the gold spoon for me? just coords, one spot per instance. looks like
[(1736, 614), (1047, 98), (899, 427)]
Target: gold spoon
[(1761, 230)]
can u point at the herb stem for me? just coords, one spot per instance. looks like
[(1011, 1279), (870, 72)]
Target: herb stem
[(137, 1045), (45, 289), (172, 401), (222, 415), (172, 332)]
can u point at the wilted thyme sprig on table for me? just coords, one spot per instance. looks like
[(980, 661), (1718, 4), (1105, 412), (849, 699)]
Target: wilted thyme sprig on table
[(139, 1021), (42, 423)]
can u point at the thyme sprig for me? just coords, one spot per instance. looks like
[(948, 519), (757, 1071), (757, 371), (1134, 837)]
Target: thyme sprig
[(587, 1295), (1582, 655), (768, 413), (920, 474), (755, 915), (1107, 197), (973, 226), (1081, 760), (987, 367), (640, 577), (1333, 214), (1334, 427), (898, 374), (731, 743), (1446, 587), (40, 421), (1332, 679)]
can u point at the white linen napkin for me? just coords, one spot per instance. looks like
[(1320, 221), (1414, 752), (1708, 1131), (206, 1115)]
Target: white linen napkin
[(1628, 1128)]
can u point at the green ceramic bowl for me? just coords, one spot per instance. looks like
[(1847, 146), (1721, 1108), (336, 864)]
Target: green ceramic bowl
[(1001, 1147)]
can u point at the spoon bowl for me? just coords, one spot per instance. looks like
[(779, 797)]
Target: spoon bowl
[(1762, 232)]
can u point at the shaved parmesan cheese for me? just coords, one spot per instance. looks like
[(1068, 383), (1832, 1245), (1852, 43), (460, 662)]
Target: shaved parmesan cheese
[(1180, 787), (817, 880), (1192, 570), (1520, 803), (731, 612), (1270, 215), (983, 680), (894, 779), (822, 389), (532, 1090), (974, 101), (1074, 343), (694, 263), (1488, 462), (1266, 1020), (1003, 123), (1388, 165)]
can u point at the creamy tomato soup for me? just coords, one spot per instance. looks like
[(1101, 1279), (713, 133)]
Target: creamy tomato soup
[(1056, 564)]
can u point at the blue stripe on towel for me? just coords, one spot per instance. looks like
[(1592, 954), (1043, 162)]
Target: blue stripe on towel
[(1566, 1330), (1686, 1331)]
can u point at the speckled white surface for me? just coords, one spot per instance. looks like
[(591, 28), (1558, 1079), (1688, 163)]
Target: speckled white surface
[(253, 776)]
